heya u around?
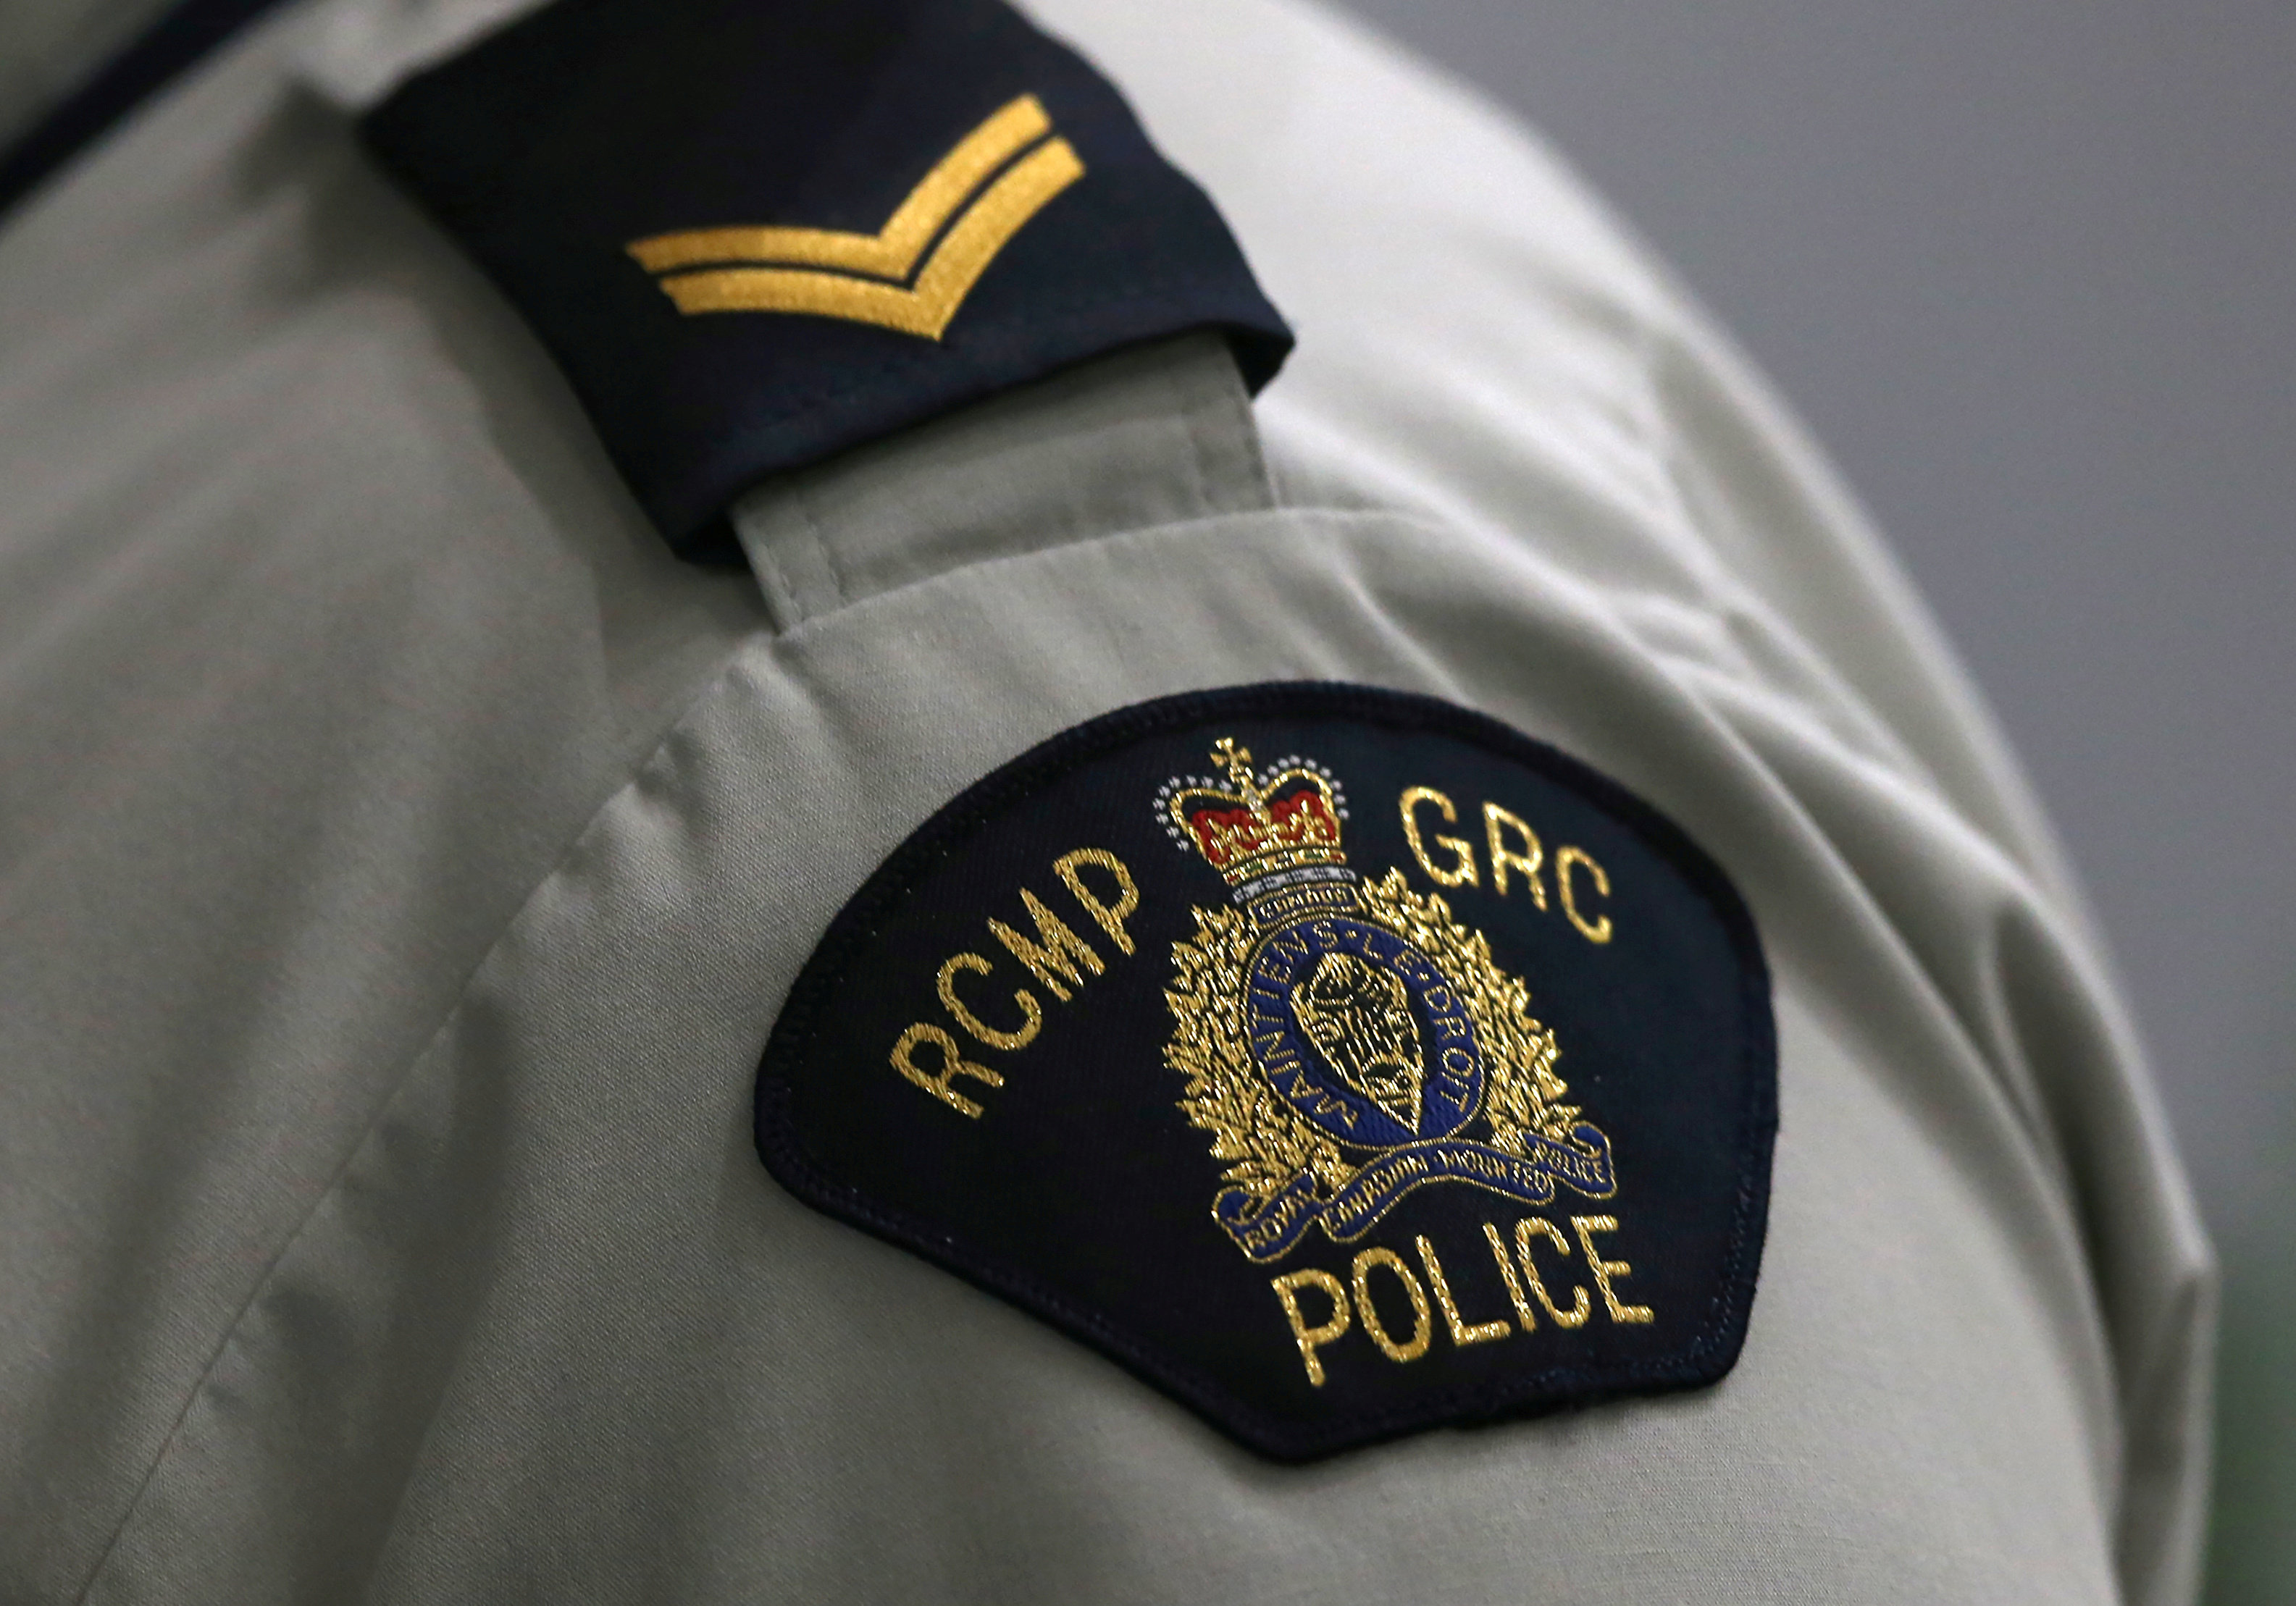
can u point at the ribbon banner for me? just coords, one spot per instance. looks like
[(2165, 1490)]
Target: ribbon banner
[(1269, 1233)]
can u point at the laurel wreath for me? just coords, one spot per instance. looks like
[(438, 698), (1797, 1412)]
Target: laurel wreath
[(1265, 1142)]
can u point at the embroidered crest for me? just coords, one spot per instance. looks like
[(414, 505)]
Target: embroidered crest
[(1298, 1016), (1303, 1157)]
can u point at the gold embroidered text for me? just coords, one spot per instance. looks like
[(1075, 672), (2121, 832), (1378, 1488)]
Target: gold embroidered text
[(1513, 852), (1398, 1316), (1043, 945)]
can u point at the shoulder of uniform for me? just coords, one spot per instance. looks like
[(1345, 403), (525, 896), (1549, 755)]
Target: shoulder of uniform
[(755, 237)]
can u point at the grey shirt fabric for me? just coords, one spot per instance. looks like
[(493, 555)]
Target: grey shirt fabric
[(50, 48), (404, 861)]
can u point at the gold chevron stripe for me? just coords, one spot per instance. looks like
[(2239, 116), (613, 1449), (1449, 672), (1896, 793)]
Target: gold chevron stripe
[(893, 251), (950, 273)]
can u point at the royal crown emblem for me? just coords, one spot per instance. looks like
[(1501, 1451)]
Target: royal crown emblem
[(1347, 1042)]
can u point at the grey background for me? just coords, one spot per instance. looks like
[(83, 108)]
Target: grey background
[(2030, 272)]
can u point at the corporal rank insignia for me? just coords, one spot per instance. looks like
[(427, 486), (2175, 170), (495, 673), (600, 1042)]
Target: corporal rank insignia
[(757, 233), (1413, 1075)]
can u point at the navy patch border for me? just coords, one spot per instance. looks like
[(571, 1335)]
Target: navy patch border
[(1718, 1336)]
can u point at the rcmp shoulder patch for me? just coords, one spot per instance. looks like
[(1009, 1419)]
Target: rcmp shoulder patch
[(1413, 1075), (754, 235)]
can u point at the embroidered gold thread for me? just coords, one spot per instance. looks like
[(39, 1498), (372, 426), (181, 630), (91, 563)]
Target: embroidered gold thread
[(892, 251), (946, 984), (1587, 1226), (1265, 1141), (1256, 825), (1462, 1332), (1525, 1093), (1422, 1330), (1523, 1313), (1295, 1026), (1311, 1339), (1581, 1307), (1360, 1017), (1056, 955), (1070, 867), (1262, 1139), (1504, 858), (949, 275), (1053, 958), (953, 1065), (1461, 872), (1599, 929)]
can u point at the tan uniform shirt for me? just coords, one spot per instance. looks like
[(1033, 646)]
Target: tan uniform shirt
[(404, 859)]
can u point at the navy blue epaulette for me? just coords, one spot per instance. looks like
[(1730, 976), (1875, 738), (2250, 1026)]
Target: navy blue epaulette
[(755, 235)]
